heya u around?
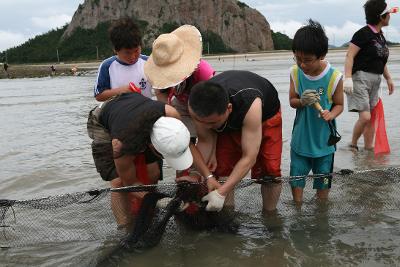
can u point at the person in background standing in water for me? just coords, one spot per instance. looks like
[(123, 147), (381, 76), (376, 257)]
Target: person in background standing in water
[(53, 70), (366, 61), (5, 66), (117, 72)]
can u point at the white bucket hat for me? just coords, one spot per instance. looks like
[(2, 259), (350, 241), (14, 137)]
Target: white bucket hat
[(171, 139), (175, 56)]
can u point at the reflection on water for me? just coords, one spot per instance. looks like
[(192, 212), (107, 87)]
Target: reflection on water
[(44, 150)]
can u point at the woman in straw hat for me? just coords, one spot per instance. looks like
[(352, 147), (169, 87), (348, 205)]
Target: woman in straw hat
[(174, 67)]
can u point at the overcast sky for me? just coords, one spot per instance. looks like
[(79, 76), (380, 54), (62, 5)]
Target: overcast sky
[(24, 19)]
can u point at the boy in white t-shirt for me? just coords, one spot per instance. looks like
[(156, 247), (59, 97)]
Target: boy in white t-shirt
[(115, 73)]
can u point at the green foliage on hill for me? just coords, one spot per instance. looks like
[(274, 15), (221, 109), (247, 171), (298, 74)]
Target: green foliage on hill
[(212, 42), (92, 44), (281, 41), (81, 45)]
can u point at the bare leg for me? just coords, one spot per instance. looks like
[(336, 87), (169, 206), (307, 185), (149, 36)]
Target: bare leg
[(120, 205), (270, 193), (363, 119), (322, 194), (369, 133), (297, 193)]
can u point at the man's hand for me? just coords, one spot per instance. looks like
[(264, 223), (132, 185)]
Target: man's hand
[(309, 97), (215, 201), (348, 85), (212, 184)]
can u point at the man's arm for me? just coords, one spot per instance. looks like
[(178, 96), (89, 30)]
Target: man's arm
[(250, 141), (203, 152)]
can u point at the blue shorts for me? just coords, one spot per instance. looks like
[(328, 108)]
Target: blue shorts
[(300, 165)]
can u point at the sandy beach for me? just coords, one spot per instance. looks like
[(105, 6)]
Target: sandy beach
[(65, 69)]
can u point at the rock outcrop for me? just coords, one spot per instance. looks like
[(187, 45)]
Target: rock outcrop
[(241, 28)]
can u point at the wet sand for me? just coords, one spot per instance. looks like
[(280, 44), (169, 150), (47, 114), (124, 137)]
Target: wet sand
[(65, 69)]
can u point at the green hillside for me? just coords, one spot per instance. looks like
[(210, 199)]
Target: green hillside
[(85, 45), (281, 41)]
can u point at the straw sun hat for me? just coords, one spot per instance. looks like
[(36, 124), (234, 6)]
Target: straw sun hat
[(175, 56)]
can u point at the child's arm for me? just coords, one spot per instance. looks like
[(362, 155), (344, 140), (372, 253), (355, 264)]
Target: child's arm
[(337, 99), (294, 98), (108, 93)]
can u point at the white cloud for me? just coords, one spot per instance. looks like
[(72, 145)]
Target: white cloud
[(10, 39), (51, 22), (338, 35), (286, 27)]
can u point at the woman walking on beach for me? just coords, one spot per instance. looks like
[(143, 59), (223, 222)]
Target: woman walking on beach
[(366, 60)]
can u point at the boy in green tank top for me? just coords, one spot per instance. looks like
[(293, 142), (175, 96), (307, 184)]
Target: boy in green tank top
[(313, 82)]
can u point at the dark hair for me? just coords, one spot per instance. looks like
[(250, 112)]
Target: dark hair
[(136, 136), (373, 10), (124, 33), (311, 39), (207, 98)]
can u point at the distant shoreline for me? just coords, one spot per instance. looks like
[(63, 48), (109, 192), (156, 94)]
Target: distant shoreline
[(83, 68)]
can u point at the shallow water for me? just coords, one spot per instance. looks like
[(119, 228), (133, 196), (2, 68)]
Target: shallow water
[(44, 150)]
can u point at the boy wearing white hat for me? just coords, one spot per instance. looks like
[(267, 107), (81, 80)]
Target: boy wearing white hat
[(130, 133)]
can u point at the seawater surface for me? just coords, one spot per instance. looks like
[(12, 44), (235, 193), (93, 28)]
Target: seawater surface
[(44, 151)]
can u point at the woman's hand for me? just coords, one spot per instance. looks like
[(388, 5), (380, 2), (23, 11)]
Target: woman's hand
[(390, 85)]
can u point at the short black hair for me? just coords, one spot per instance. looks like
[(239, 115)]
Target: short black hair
[(373, 10), (207, 98), (124, 33), (311, 39)]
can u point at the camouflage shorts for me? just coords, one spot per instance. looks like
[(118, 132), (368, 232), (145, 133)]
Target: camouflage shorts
[(101, 146), (102, 150)]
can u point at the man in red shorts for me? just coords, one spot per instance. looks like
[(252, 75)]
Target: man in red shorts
[(239, 125)]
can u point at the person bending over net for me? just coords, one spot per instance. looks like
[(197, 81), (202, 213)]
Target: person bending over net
[(239, 126), (130, 132)]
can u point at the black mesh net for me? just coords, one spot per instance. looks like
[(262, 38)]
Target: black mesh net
[(88, 216)]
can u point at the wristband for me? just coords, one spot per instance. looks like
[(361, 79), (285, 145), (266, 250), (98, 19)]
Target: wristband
[(209, 176)]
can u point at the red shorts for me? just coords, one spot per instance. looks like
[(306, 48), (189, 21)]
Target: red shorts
[(229, 151)]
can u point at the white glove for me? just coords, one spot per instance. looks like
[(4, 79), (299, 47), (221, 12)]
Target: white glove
[(215, 201), (309, 97), (163, 203), (348, 85)]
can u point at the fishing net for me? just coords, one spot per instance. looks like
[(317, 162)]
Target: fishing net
[(87, 216)]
